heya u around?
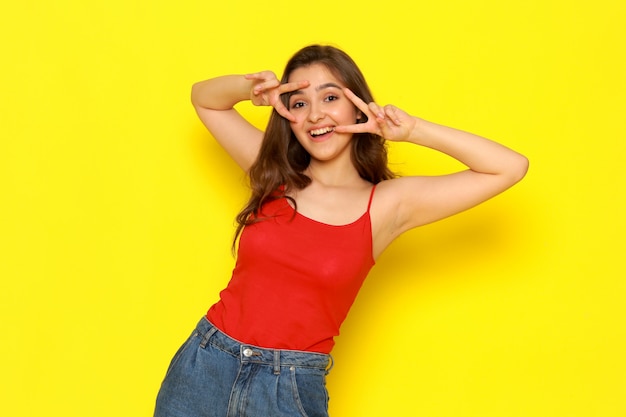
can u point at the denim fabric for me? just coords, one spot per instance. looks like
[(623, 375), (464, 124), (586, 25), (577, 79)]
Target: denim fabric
[(213, 375)]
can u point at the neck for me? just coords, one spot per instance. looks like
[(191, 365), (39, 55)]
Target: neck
[(332, 173)]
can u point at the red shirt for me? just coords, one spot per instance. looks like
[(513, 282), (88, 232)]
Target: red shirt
[(295, 280)]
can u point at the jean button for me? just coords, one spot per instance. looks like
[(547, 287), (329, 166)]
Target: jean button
[(247, 352)]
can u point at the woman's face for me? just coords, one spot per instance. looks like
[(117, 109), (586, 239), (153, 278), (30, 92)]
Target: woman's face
[(318, 108)]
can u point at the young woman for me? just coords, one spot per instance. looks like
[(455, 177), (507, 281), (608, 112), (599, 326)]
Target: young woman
[(323, 207)]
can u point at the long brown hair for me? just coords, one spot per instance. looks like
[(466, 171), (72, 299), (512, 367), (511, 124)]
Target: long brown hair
[(281, 161)]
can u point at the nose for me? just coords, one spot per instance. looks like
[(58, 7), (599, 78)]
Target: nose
[(315, 112)]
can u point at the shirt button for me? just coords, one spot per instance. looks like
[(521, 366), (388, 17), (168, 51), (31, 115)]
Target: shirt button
[(247, 352)]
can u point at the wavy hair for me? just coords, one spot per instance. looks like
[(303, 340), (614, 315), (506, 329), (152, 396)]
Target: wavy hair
[(281, 161)]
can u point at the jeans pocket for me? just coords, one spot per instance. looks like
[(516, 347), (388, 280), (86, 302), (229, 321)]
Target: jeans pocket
[(309, 391), (181, 350)]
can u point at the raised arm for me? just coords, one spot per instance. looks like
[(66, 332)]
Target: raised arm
[(493, 168), (214, 101), (408, 202)]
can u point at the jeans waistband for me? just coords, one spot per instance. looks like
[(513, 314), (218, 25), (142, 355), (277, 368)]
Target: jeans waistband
[(254, 354)]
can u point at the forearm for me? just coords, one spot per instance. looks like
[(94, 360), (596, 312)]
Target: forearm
[(221, 93), (477, 153)]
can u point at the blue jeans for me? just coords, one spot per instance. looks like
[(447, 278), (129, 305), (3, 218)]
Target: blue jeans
[(213, 375)]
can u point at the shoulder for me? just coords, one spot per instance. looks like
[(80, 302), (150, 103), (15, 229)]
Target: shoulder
[(391, 194), (403, 203), (389, 209)]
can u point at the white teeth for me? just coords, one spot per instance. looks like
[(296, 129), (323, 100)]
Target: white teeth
[(321, 131)]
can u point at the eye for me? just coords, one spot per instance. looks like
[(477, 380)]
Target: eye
[(297, 104), (331, 97)]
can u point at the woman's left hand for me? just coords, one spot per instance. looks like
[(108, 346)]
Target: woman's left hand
[(389, 121)]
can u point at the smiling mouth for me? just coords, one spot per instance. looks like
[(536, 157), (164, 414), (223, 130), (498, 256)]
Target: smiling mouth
[(322, 131)]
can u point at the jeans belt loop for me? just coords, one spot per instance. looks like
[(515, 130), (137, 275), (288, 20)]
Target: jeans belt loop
[(276, 362), (331, 363), (207, 336)]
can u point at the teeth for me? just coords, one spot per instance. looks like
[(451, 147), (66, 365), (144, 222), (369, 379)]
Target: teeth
[(318, 132)]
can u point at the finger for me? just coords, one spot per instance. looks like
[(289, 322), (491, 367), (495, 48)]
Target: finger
[(356, 128), (392, 113), (261, 75), (252, 76), (266, 85), (377, 110), (293, 86), (360, 104), (282, 110)]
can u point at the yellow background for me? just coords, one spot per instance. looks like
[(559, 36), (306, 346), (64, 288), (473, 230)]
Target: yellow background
[(117, 207)]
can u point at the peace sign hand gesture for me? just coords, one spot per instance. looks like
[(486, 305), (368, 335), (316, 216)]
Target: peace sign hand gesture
[(266, 91), (389, 122)]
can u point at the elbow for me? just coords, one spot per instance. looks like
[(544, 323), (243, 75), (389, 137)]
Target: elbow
[(194, 94), (518, 168)]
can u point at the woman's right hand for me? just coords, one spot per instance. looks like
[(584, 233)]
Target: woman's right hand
[(267, 89)]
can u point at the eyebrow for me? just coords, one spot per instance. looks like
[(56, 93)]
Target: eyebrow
[(318, 88), (327, 85)]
